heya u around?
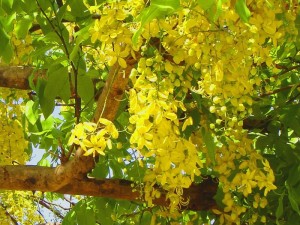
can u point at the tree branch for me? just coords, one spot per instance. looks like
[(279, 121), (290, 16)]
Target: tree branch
[(71, 177), (17, 76), (280, 90), (37, 178), (47, 206)]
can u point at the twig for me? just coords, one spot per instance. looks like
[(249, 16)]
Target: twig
[(8, 214), (53, 204), (284, 71), (293, 98), (69, 200), (279, 90), (60, 36), (55, 212), (70, 151)]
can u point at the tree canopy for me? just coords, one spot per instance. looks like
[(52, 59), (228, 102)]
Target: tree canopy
[(150, 112)]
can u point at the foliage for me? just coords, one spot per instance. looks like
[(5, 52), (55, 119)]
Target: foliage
[(214, 92)]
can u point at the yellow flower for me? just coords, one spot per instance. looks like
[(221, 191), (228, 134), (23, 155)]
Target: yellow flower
[(95, 144), (110, 128), (118, 56), (266, 182), (187, 122), (248, 182)]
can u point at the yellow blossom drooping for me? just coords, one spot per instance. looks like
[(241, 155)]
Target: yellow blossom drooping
[(93, 138)]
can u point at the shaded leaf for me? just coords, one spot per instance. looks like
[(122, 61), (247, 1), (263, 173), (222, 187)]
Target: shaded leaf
[(210, 144), (157, 9), (206, 4), (86, 89), (22, 26), (31, 112), (242, 10)]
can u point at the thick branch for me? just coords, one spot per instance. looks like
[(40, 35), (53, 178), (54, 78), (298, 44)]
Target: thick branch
[(36, 178), (17, 76), (70, 178), (107, 106), (113, 91)]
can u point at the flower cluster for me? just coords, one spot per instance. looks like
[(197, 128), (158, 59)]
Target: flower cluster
[(192, 64), (93, 138)]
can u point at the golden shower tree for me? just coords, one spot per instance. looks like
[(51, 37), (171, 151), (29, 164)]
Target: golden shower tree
[(150, 112)]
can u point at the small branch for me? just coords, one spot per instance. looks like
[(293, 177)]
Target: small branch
[(136, 213), (69, 200), (51, 203), (60, 36), (55, 212), (284, 71), (8, 214), (279, 90), (293, 98)]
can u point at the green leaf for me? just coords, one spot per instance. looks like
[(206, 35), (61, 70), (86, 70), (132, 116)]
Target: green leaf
[(146, 218), (218, 10), (7, 5), (82, 35), (116, 169), (28, 6), (58, 83), (242, 10), (74, 52), (7, 52), (157, 9), (86, 216), (70, 218), (292, 195), (196, 120), (210, 145), (8, 22), (101, 170), (279, 210), (48, 123), (44, 161), (104, 206), (4, 39), (31, 112), (62, 11), (22, 26), (206, 4), (78, 8), (53, 196), (47, 104), (86, 89)]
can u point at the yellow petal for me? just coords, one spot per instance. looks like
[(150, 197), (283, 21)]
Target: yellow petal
[(219, 71), (187, 122), (89, 152), (109, 145), (104, 121), (112, 61), (122, 63), (94, 37)]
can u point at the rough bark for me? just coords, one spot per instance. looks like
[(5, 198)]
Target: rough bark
[(17, 76), (37, 178), (112, 94)]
